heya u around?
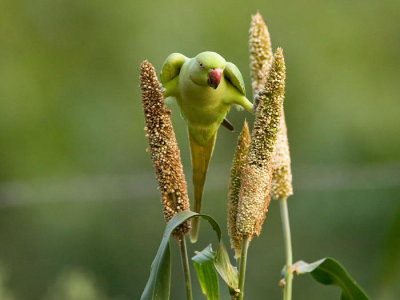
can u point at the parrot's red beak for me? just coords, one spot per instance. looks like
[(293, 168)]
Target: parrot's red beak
[(214, 77)]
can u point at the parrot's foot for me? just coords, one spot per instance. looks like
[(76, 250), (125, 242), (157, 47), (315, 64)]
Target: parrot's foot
[(256, 102), (238, 107), (163, 89)]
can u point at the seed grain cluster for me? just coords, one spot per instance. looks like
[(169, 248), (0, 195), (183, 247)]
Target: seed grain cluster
[(282, 175), (260, 62), (238, 163), (260, 52), (163, 148), (254, 194)]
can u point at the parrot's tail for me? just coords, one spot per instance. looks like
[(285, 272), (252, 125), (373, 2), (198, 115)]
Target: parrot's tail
[(200, 160)]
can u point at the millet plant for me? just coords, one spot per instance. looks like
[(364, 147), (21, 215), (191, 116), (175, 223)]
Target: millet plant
[(260, 172)]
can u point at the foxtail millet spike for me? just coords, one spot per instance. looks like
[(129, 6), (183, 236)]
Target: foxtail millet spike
[(260, 62), (254, 194), (164, 150), (282, 175), (260, 52), (239, 161)]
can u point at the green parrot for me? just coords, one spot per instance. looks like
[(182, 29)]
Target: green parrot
[(205, 87)]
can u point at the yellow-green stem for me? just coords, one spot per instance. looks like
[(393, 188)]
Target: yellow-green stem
[(185, 265), (287, 290), (242, 266)]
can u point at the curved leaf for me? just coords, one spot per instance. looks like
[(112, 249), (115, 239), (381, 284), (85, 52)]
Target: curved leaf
[(158, 284), (225, 269), (328, 271), (206, 273), (221, 262)]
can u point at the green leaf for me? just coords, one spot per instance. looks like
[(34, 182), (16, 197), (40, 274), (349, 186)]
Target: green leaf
[(206, 273), (158, 284), (328, 271), (228, 272), (220, 260)]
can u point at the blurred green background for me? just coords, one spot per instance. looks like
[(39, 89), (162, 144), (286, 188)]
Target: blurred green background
[(80, 216)]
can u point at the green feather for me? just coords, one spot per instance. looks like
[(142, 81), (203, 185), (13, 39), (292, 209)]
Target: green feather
[(233, 74), (201, 156), (172, 66), (203, 107)]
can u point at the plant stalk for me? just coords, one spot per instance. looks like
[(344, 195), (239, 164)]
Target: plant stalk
[(185, 265), (287, 290), (242, 266)]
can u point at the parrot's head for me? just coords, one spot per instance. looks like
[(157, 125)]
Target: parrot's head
[(207, 69)]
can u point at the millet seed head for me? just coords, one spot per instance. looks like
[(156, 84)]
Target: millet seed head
[(239, 161), (282, 175), (256, 178), (163, 147), (260, 63), (260, 52)]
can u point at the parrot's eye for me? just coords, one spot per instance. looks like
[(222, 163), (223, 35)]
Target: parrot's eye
[(201, 65)]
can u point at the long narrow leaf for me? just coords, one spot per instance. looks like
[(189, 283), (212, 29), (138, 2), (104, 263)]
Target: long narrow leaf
[(225, 269), (328, 271), (158, 284), (220, 262)]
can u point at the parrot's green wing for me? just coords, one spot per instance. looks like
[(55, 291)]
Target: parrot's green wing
[(172, 67), (233, 75)]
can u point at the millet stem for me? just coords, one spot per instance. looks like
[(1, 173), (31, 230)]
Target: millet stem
[(242, 266), (185, 265), (287, 290)]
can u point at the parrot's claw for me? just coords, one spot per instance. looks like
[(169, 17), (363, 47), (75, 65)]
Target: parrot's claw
[(238, 107), (162, 89), (256, 102)]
